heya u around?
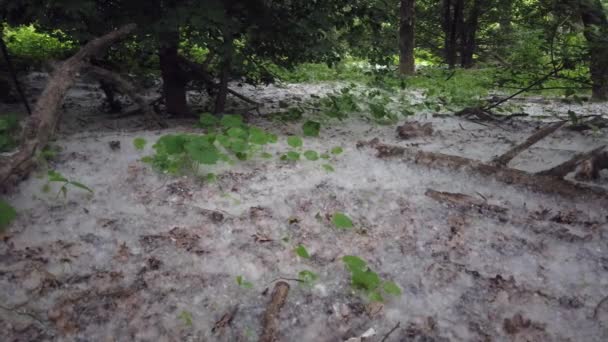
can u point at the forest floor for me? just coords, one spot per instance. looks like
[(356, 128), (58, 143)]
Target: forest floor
[(152, 257)]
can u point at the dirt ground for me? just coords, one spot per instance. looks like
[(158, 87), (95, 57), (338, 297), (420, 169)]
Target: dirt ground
[(151, 257)]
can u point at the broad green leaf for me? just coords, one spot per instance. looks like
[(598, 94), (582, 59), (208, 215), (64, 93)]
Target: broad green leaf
[(302, 252), (354, 263), (258, 136), (139, 143), (171, 144), (311, 155), (325, 156), (328, 168), (392, 288), (311, 128), (337, 150), (376, 296), (232, 121), (365, 280), (342, 221), (237, 132), (7, 214), (291, 155), (308, 277), (208, 120), (294, 141), (201, 151)]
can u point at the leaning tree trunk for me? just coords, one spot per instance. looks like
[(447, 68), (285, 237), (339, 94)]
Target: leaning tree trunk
[(174, 81), (406, 37), (596, 33), (39, 127)]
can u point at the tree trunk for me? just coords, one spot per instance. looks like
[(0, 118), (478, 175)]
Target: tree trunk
[(468, 35), (174, 82), (228, 51), (406, 37), (452, 21), (596, 34), (39, 127)]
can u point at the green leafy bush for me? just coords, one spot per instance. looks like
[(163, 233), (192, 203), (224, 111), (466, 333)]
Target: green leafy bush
[(9, 127), (26, 43)]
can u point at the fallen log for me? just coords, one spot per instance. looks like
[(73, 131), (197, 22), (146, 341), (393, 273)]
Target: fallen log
[(505, 158), (269, 322), (40, 126), (539, 183), (128, 89), (563, 169)]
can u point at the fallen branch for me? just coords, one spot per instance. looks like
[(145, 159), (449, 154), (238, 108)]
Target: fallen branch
[(128, 89), (563, 169), (505, 175), (40, 126), (390, 332), (201, 72), (504, 159), (269, 322), (462, 200)]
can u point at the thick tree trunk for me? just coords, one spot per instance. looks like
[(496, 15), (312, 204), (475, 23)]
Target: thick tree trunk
[(174, 81), (406, 37), (452, 22), (468, 35), (39, 127), (113, 104), (596, 33)]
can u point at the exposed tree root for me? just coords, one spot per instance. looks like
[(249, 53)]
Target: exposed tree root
[(504, 159), (40, 126), (128, 89), (534, 182), (269, 322)]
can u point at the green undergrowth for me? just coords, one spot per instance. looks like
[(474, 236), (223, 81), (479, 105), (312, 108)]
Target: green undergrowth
[(9, 128), (228, 140), (28, 44)]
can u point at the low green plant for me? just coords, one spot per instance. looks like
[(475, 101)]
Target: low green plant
[(27, 43), (301, 251), (7, 215), (328, 168), (369, 282), (311, 155), (243, 283), (342, 221), (186, 317), (56, 177), (139, 143), (311, 128)]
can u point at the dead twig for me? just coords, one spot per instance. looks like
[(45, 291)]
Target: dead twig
[(269, 322), (598, 306), (390, 332), (225, 320)]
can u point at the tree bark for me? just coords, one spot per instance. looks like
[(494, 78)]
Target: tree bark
[(406, 37), (174, 81), (596, 33), (468, 34), (270, 326), (452, 21), (39, 127), (227, 53)]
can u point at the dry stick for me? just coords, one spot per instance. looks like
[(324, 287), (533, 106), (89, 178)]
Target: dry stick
[(462, 200), (128, 89), (506, 175), (568, 166), (390, 332), (504, 159), (200, 71), (39, 126), (269, 322)]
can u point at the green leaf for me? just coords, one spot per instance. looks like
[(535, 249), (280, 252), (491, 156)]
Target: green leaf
[(210, 177), (258, 136), (186, 317), (208, 120), (243, 283), (293, 156), (232, 121), (342, 221), (237, 132), (294, 141), (328, 168), (7, 214), (354, 263), (311, 128), (337, 150), (201, 151), (376, 296), (365, 280), (55, 176), (266, 155), (311, 155), (81, 186), (171, 144), (325, 156), (392, 288), (139, 143), (308, 277), (302, 252), (239, 146)]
